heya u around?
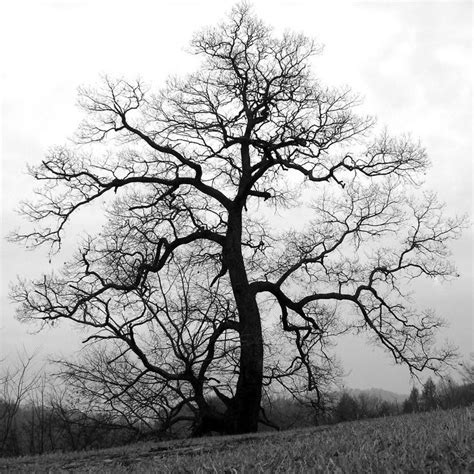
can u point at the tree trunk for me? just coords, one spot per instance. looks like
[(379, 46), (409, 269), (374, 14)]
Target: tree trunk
[(244, 413)]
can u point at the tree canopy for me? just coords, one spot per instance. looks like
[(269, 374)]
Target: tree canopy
[(191, 284)]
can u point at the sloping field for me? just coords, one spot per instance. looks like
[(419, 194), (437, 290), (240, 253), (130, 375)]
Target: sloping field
[(440, 441)]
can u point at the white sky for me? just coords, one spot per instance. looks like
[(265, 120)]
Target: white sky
[(409, 60)]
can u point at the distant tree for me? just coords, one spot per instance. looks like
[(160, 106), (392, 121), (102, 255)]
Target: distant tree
[(412, 403), (347, 408), (385, 408), (447, 393), (17, 384), (192, 174), (372, 406), (367, 405), (451, 394), (467, 370), (429, 396)]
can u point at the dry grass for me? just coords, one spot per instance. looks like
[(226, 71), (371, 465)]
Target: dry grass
[(439, 441)]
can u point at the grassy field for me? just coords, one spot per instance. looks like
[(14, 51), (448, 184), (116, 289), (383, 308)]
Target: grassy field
[(440, 441)]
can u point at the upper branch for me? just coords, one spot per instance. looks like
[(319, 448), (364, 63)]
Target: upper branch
[(74, 181)]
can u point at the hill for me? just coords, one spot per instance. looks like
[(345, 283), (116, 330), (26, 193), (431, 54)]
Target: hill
[(440, 441), (379, 393)]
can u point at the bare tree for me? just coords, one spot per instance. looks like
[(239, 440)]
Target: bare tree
[(194, 172), (17, 385), (188, 331), (467, 370)]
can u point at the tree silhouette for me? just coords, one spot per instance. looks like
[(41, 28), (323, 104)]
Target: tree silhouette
[(194, 174), (412, 403), (347, 408), (429, 396)]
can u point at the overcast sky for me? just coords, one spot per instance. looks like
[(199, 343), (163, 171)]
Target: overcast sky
[(411, 61)]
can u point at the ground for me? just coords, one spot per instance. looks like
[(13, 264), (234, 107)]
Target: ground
[(440, 441)]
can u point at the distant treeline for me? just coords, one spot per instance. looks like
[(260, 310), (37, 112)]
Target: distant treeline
[(444, 395), (36, 416), (348, 406)]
